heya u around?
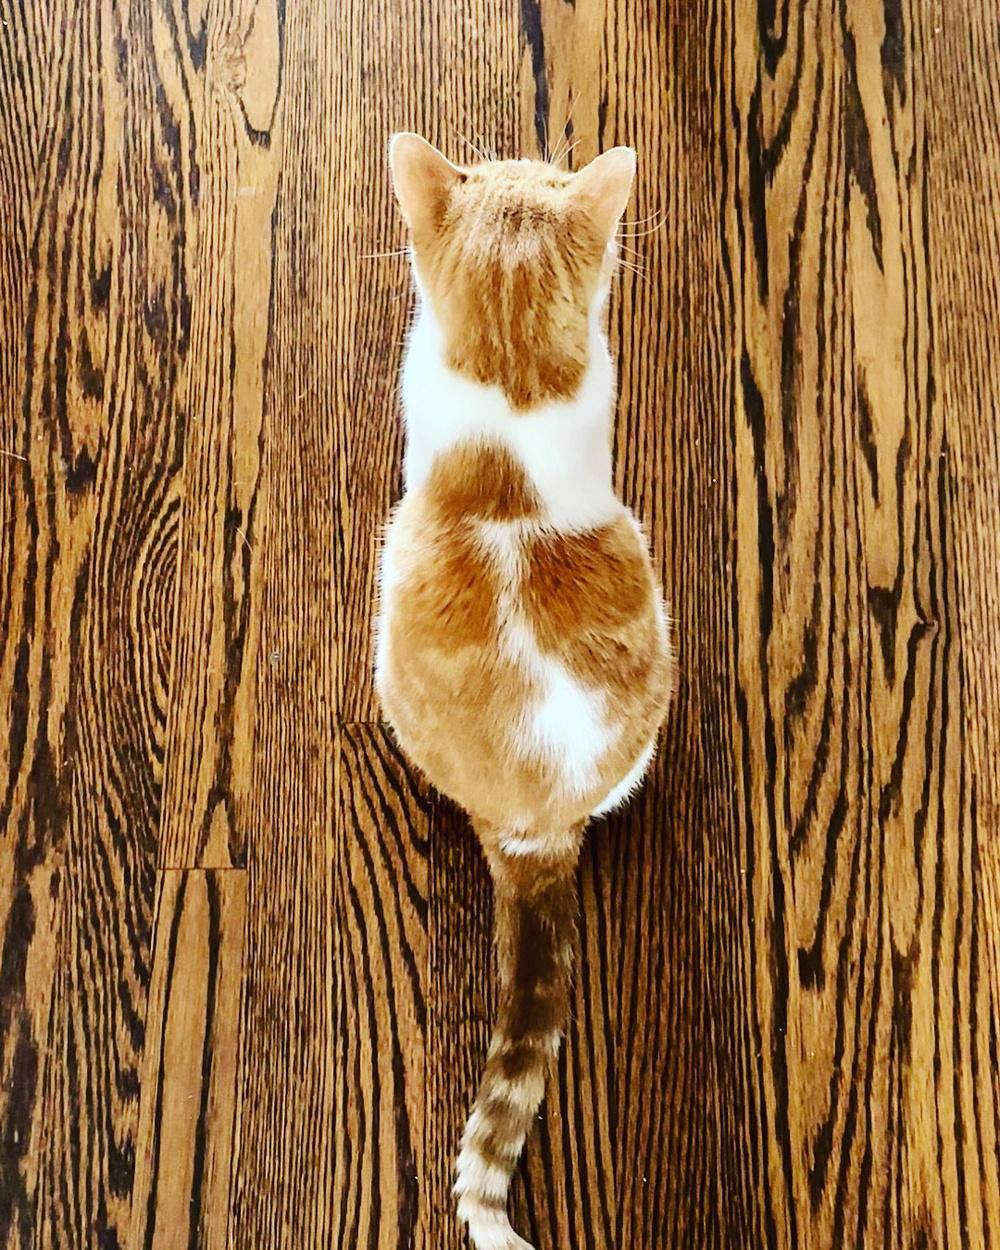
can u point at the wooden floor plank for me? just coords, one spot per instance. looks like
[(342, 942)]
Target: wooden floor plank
[(380, 1190), (460, 1003), (963, 255), (88, 557), (181, 1191), (234, 133), (851, 726), (29, 854), (285, 1145)]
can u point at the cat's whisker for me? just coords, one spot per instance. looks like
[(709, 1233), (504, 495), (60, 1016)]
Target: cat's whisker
[(402, 251), (565, 155), (480, 152), (639, 273), (568, 128), (642, 221), (630, 257), (567, 136), (640, 234), (488, 149)]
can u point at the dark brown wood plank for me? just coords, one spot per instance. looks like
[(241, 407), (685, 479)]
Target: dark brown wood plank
[(28, 858), (181, 1191), (851, 723), (380, 1191), (460, 1004), (88, 544), (229, 68)]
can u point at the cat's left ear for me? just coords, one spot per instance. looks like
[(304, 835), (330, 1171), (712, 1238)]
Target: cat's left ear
[(603, 188), (422, 179)]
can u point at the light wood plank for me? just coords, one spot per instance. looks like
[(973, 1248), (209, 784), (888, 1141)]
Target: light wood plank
[(227, 64), (285, 1148), (182, 1178), (851, 725), (86, 601)]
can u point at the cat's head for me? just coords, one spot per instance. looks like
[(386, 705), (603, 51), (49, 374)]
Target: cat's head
[(513, 258)]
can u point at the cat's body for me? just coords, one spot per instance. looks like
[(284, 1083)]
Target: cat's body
[(522, 656)]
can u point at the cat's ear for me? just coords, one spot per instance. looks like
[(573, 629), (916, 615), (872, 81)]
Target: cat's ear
[(603, 188), (423, 179)]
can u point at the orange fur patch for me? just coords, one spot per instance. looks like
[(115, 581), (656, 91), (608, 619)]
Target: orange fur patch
[(450, 690), (591, 600), (482, 483), (511, 273)]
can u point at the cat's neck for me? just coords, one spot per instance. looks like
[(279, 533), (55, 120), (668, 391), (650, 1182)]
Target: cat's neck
[(564, 447)]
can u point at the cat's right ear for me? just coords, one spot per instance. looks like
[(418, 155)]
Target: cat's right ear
[(422, 179), (603, 188)]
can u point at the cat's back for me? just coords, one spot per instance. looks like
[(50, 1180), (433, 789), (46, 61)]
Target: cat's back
[(512, 647)]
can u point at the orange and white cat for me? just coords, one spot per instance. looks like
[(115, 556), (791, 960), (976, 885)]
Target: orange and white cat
[(522, 655)]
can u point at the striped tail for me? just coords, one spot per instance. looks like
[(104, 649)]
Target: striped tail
[(535, 908)]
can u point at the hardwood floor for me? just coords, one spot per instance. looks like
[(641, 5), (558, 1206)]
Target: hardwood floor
[(245, 962)]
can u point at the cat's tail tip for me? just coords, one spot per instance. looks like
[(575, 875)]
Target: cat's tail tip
[(481, 1191), (489, 1227)]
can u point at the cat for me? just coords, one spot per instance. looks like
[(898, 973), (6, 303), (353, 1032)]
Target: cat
[(523, 655)]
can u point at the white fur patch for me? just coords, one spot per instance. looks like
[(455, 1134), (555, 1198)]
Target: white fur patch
[(540, 844), (503, 544), (629, 783), (489, 1229), (568, 727), (563, 446), (478, 1177), (473, 1124), (524, 1094)]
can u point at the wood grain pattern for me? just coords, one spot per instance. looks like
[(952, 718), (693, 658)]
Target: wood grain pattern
[(858, 809), (459, 1007), (963, 115), (784, 1028), (224, 83), (89, 541), (381, 960), (180, 1195), (284, 1152)]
